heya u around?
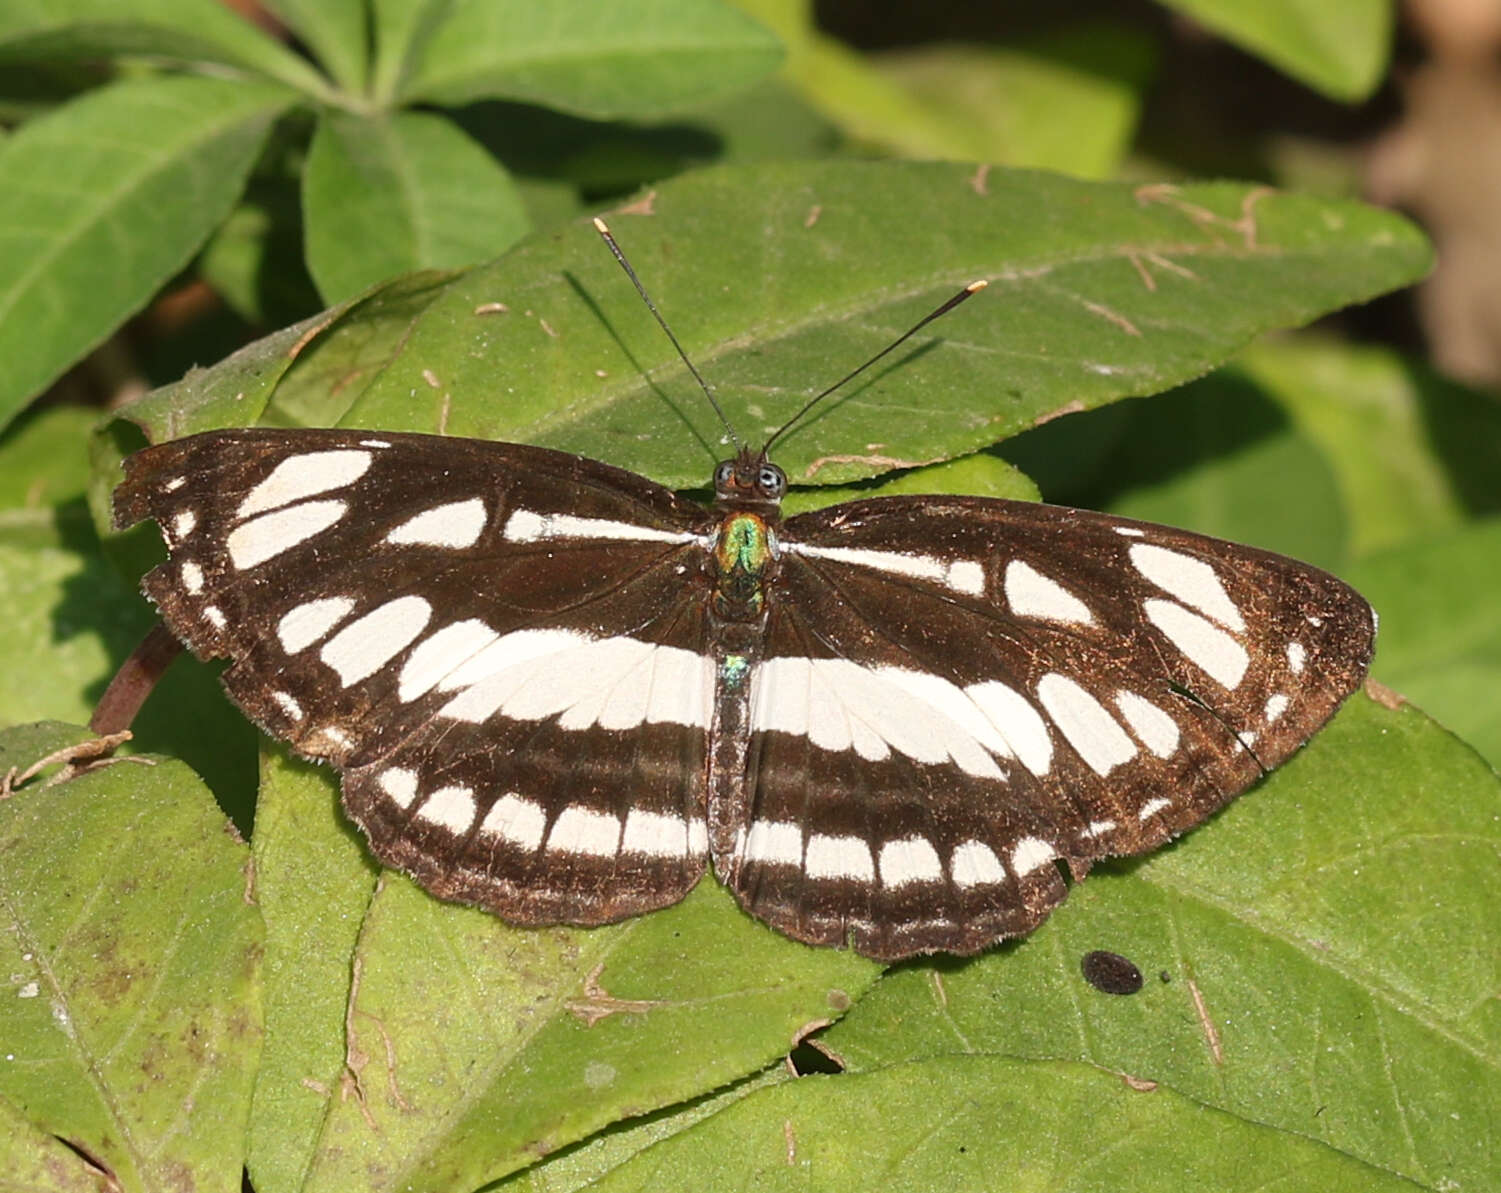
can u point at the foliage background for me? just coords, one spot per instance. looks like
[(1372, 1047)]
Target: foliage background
[(178, 180)]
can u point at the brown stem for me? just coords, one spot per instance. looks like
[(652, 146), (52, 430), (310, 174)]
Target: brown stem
[(134, 680)]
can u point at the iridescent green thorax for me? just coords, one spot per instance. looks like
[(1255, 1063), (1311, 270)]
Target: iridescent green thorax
[(743, 560)]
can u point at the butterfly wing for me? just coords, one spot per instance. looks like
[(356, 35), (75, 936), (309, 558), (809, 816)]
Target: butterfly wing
[(441, 619), (958, 693)]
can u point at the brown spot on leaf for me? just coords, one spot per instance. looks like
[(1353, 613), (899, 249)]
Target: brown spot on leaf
[(1383, 695)]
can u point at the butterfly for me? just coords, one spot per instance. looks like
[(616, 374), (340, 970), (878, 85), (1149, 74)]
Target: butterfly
[(560, 691)]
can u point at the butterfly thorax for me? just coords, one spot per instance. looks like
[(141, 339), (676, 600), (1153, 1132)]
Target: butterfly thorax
[(748, 492)]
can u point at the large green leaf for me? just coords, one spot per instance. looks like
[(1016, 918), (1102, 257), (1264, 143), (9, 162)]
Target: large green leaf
[(1340, 48), (985, 1123), (390, 195), (337, 31), (1321, 958), (132, 1020), (103, 200), (606, 61), (778, 278), (185, 31)]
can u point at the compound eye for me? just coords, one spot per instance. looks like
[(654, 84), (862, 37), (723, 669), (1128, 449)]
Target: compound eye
[(723, 474), (771, 480)]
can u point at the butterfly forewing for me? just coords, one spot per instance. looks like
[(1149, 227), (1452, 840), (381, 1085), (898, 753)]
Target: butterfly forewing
[(541, 703), (956, 693), (427, 614)]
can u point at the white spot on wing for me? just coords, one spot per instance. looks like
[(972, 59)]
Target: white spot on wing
[(288, 704), (184, 524), (583, 830), (1083, 720), (962, 575), (174, 484), (1191, 580), (1130, 532), (449, 807), (911, 859), (1152, 807), (517, 821), (1276, 705), (1296, 657), (654, 835), (1031, 853), (268, 536), (214, 616), (975, 864), (1096, 827), (399, 784), (841, 705), (304, 475), (192, 577), (839, 857), (527, 526), (1031, 594), (440, 654), (616, 683), (308, 622), (774, 843), (1217, 654), (366, 644), (456, 525), (1022, 726), (1154, 728)]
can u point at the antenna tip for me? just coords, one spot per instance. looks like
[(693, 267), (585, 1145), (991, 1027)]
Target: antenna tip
[(599, 226), (972, 288)]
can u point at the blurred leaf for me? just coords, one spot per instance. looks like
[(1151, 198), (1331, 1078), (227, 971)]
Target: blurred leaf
[(190, 32), (1340, 49), (850, 91), (1099, 291), (475, 1047), (1414, 453), (254, 260), (391, 195), (1067, 100), (960, 1123), (1440, 642), (153, 165), (979, 475), (1216, 456), (645, 59), (1329, 949), (337, 32), (133, 1021), (401, 29)]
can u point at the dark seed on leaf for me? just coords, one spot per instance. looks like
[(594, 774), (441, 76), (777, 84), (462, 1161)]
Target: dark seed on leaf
[(1110, 972)]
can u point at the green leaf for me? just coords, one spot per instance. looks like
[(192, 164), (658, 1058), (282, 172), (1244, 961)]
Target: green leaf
[(391, 195), (1067, 100), (314, 880), (1098, 291), (473, 1048), (103, 200), (1414, 454), (132, 1022), (607, 61), (337, 31), (1440, 642), (982, 1123), (191, 32), (1340, 49), (1330, 952), (402, 29)]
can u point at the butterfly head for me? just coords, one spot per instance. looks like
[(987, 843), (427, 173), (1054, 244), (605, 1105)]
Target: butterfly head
[(749, 479)]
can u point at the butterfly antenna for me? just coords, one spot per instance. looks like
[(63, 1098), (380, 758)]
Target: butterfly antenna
[(604, 231), (971, 289)]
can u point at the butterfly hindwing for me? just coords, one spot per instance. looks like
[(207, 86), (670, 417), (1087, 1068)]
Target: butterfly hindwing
[(371, 589), (958, 693)]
